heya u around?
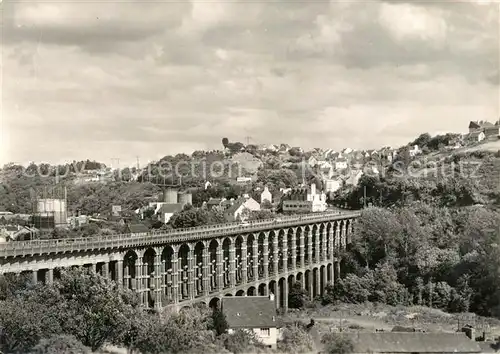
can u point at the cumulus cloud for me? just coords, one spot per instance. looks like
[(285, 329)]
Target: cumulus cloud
[(405, 21), (121, 79)]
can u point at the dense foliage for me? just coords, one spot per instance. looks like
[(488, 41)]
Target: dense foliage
[(82, 312), (420, 254)]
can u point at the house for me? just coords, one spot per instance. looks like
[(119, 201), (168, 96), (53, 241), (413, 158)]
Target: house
[(352, 179), (312, 161), (416, 342), (214, 202), (304, 200), (137, 229), (332, 185), (235, 211), (243, 180), (340, 164), (476, 137), (272, 147), (166, 211), (255, 314), (414, 151), (284, 148), (266, 195), (328, 153), (490, 130)]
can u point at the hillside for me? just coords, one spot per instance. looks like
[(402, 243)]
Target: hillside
[(372, 317)]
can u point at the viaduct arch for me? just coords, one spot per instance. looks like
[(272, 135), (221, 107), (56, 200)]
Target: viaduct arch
[(201, 265)]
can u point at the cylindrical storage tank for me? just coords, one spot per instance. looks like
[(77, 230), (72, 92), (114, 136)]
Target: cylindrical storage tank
[(185, 198), (60, 212), (170, 196), (55, 208)]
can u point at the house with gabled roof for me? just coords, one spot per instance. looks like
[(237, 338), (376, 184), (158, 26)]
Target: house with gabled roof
[(137, 229), (235, 211), (489, 129), (255, 314), (166, 211)]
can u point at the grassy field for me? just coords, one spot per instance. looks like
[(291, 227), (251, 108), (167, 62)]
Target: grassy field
[(372, 317)]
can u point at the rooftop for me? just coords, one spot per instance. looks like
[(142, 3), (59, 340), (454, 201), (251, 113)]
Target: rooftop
[(170, 208), (394, 342), (249, 311)]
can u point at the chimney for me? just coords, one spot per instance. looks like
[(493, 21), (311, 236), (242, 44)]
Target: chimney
[(469, 332)]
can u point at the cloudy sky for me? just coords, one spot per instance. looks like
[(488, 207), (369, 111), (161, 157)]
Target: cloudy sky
[(120, 79)]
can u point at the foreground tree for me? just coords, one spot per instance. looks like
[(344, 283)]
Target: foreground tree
[(60, 344), (295, 340), (96, 310), (297, 298)]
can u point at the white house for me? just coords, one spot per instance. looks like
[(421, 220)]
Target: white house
[(353, 178), (165, 211), (243, 179), (266, 195), (318, 200), (304, 200), (255, 314), (340, 164), (235, 211), (332, 185), (415, 150), (476, 136), (312, 161)]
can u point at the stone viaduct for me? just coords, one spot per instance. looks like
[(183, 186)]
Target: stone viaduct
[(202, 264)]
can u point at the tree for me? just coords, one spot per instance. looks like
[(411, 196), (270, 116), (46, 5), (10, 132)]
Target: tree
[(266, 204), (335, 343), (60, 344), (219, 322), (295, 340), (96, 310), (225, 142), (297, 297), (240, 341)]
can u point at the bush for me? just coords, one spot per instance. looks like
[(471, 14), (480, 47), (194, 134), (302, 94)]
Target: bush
[(295, 340), (298, 297), (60, 344), (240, 341), (335, 343)]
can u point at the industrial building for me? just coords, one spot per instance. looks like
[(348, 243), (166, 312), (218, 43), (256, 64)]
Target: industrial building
[(50, 208), (172, 202)]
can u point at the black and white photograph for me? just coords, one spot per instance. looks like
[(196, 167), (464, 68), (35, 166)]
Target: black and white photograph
[(249, 176)]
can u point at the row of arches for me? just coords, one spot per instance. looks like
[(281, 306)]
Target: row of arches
[(182, 272), (314, 281)]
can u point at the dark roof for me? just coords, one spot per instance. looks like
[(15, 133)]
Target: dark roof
[(237, 203), (393, 342), (138, 228), (474, 125), (475, 134), (170, 208), (249, 311), (214, 202)]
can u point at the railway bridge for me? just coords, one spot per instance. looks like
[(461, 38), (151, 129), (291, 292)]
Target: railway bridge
[(184, 266)]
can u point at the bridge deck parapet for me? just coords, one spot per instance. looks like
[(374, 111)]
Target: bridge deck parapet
[(28, 248)]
